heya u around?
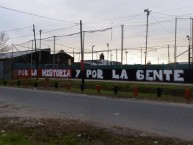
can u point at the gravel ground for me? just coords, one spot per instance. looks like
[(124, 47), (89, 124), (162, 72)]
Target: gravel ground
[(30, 117), (12, 110), (28, 113)]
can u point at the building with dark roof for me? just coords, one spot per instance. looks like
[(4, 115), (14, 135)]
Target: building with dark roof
[(30, 57), (44, 57)]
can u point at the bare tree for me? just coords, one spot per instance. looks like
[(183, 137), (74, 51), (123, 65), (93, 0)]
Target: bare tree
[(4, 47)]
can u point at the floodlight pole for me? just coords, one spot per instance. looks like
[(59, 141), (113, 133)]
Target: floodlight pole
[(32, 57), (147, 12), (122, 37), (116, 55), (54, 57), (40, 46), (126, 56), (92, 53), (82, 57), (141, 55), (175, 46), (188, 37), (108, 54), (36, 51), (192, 43)]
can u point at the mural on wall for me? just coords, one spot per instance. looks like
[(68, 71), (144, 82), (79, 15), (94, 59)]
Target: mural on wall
[(43, 73), (109, 74)]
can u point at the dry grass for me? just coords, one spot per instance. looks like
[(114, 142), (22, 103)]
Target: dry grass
[(18, 131)]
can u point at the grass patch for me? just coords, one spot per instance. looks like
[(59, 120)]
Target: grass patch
[(13, 139)]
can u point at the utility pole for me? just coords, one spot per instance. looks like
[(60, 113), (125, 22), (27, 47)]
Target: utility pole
[(40, 46), (175, 47), (92, 53), (122, 37), (32, 57), (141, 55), (188, 37), (54, 57), (189, 44), (168, 54), (83, 40), (192, 43), (82, 57), (79, 57), (116, 55), (126, 56), (111, 58), (12, 51), (147, 13), (189, 56), (96, 55), (12, 58), (35, 51), (111, 33)]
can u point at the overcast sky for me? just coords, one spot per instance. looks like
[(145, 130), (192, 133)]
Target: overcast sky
[(101, 14)]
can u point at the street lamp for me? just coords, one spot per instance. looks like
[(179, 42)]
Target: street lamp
[(147, 12), (126, 56), (92, 53), (40, 46), (188, 51), (108, 53), (111, 58)]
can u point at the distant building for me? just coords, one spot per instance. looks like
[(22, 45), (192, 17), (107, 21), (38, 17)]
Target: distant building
[(101, 61)]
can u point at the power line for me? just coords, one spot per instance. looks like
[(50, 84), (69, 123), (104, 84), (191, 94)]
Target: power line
[(68, 35), (134, 16), (101, 30), (165, 14), (16, 29), (176, 9), (21, 36), (67, 46), (89, 31), (67, 43), (117, 18), (23, 43), (60, 29), (153, 23), (161, 24), (127, 18), (35, 15), (50, 30)]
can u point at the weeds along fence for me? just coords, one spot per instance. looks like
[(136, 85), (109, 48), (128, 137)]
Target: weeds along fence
[(121, 90)]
